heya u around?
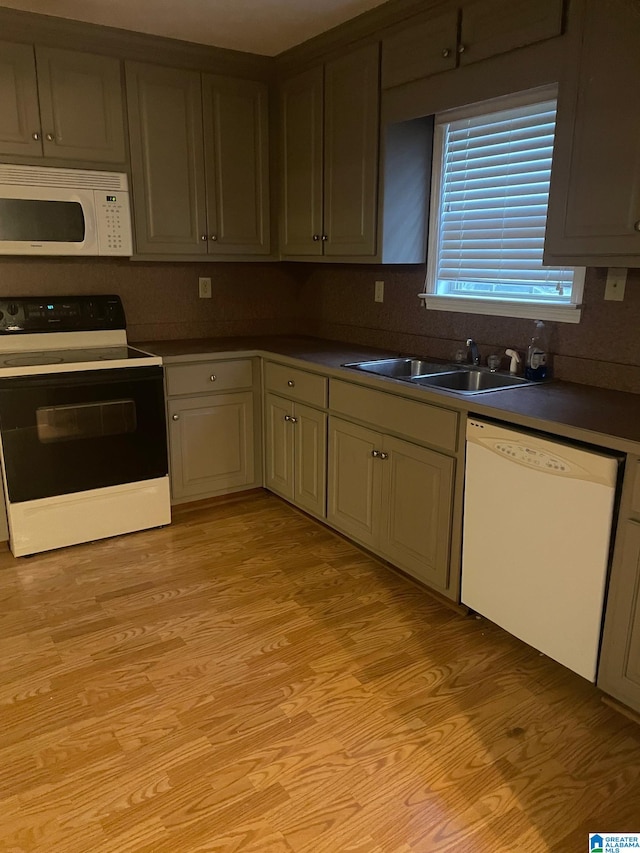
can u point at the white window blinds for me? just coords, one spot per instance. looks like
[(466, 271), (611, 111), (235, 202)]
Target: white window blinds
[(491, 182)]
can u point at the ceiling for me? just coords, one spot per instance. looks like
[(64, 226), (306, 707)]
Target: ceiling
[(259, 26)]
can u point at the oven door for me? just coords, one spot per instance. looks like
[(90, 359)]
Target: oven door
[(71, 432)]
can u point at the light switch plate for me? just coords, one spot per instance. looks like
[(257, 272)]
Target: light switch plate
[(616, 281), (378, 293)]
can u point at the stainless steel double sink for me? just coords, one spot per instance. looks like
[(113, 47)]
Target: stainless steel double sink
[(459, 379)]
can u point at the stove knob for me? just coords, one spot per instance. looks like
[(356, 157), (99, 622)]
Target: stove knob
[(12, 308)]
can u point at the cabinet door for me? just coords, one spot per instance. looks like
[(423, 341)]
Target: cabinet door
[(490, 27), (354, 481), (352, 92), (279, 446), (310, 459), (80, 105), (416, 513), (594, 201), (619, 672), (211, 444), (19, 113), (423, 47), (301, 164), (236, 139), (167, 159)]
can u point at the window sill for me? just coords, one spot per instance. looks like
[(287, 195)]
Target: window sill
[(534, 311)]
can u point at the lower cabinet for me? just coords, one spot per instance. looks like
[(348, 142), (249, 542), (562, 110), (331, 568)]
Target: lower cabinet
[(214, 441), (393, 496), (619, 673), (295, 453)]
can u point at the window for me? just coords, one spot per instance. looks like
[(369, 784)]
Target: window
[(491, 172)]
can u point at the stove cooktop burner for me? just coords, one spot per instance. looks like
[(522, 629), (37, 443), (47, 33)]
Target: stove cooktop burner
[(31, 360)]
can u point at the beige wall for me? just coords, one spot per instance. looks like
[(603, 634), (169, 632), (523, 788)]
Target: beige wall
[(161, 301)]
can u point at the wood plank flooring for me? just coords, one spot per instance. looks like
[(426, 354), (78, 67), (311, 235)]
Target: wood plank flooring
[(245, 680)]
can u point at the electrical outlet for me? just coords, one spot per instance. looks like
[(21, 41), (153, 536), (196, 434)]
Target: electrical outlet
[(616, 280), (204, 288), (378, 293)]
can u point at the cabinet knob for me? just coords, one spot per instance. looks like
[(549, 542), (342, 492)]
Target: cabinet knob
[(316, 237), (324, 238), (175, 417), (214, 238), (35, 135), (636, 225), (461, 48), (383, 455), (50, 137), (213, 377), (446, 52), (291, 383), (375, 453), (203, 237), (293, 420)]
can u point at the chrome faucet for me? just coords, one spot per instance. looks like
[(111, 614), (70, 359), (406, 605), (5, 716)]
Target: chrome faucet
[(472, 351)]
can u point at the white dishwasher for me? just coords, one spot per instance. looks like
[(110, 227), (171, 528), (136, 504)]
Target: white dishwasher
[(537, 527)]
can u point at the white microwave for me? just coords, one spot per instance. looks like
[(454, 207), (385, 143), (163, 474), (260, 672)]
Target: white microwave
[(47, 211)]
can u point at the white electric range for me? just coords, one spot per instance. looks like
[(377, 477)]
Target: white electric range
[(82, 424)]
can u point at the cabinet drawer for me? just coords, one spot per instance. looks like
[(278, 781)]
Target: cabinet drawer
[(208, 376), (421, 421), (296, 384)]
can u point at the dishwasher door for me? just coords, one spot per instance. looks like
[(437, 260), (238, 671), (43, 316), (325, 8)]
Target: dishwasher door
[(537, 526)]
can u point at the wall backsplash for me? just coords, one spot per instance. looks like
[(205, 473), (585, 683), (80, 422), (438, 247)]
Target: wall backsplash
[(603, 349), (161, 299), (336, 301)]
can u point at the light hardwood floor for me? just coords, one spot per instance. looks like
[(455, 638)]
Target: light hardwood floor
[(245, 680)]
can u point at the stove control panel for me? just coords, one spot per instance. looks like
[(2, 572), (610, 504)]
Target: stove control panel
[(60, 314)]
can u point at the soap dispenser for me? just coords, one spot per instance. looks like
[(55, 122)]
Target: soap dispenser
[(537, 353)]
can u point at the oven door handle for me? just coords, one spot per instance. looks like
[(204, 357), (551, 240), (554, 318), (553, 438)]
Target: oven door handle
[(68, 378)]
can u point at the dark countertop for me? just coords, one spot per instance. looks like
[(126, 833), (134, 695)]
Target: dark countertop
[(610, 418)]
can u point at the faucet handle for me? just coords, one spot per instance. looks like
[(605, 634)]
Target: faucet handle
[(515, 360)]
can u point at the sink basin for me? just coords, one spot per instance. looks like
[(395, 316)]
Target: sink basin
[(469, 381), (448, 377), (400, 368)]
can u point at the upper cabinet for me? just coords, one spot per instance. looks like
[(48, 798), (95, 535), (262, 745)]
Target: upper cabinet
[(430, 44), (60, 104), (199, 159), (329, 166), (594, 201)]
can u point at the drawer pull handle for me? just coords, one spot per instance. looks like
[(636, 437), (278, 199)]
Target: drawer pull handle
[(213, 377), (291, 383), (175, 417)]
